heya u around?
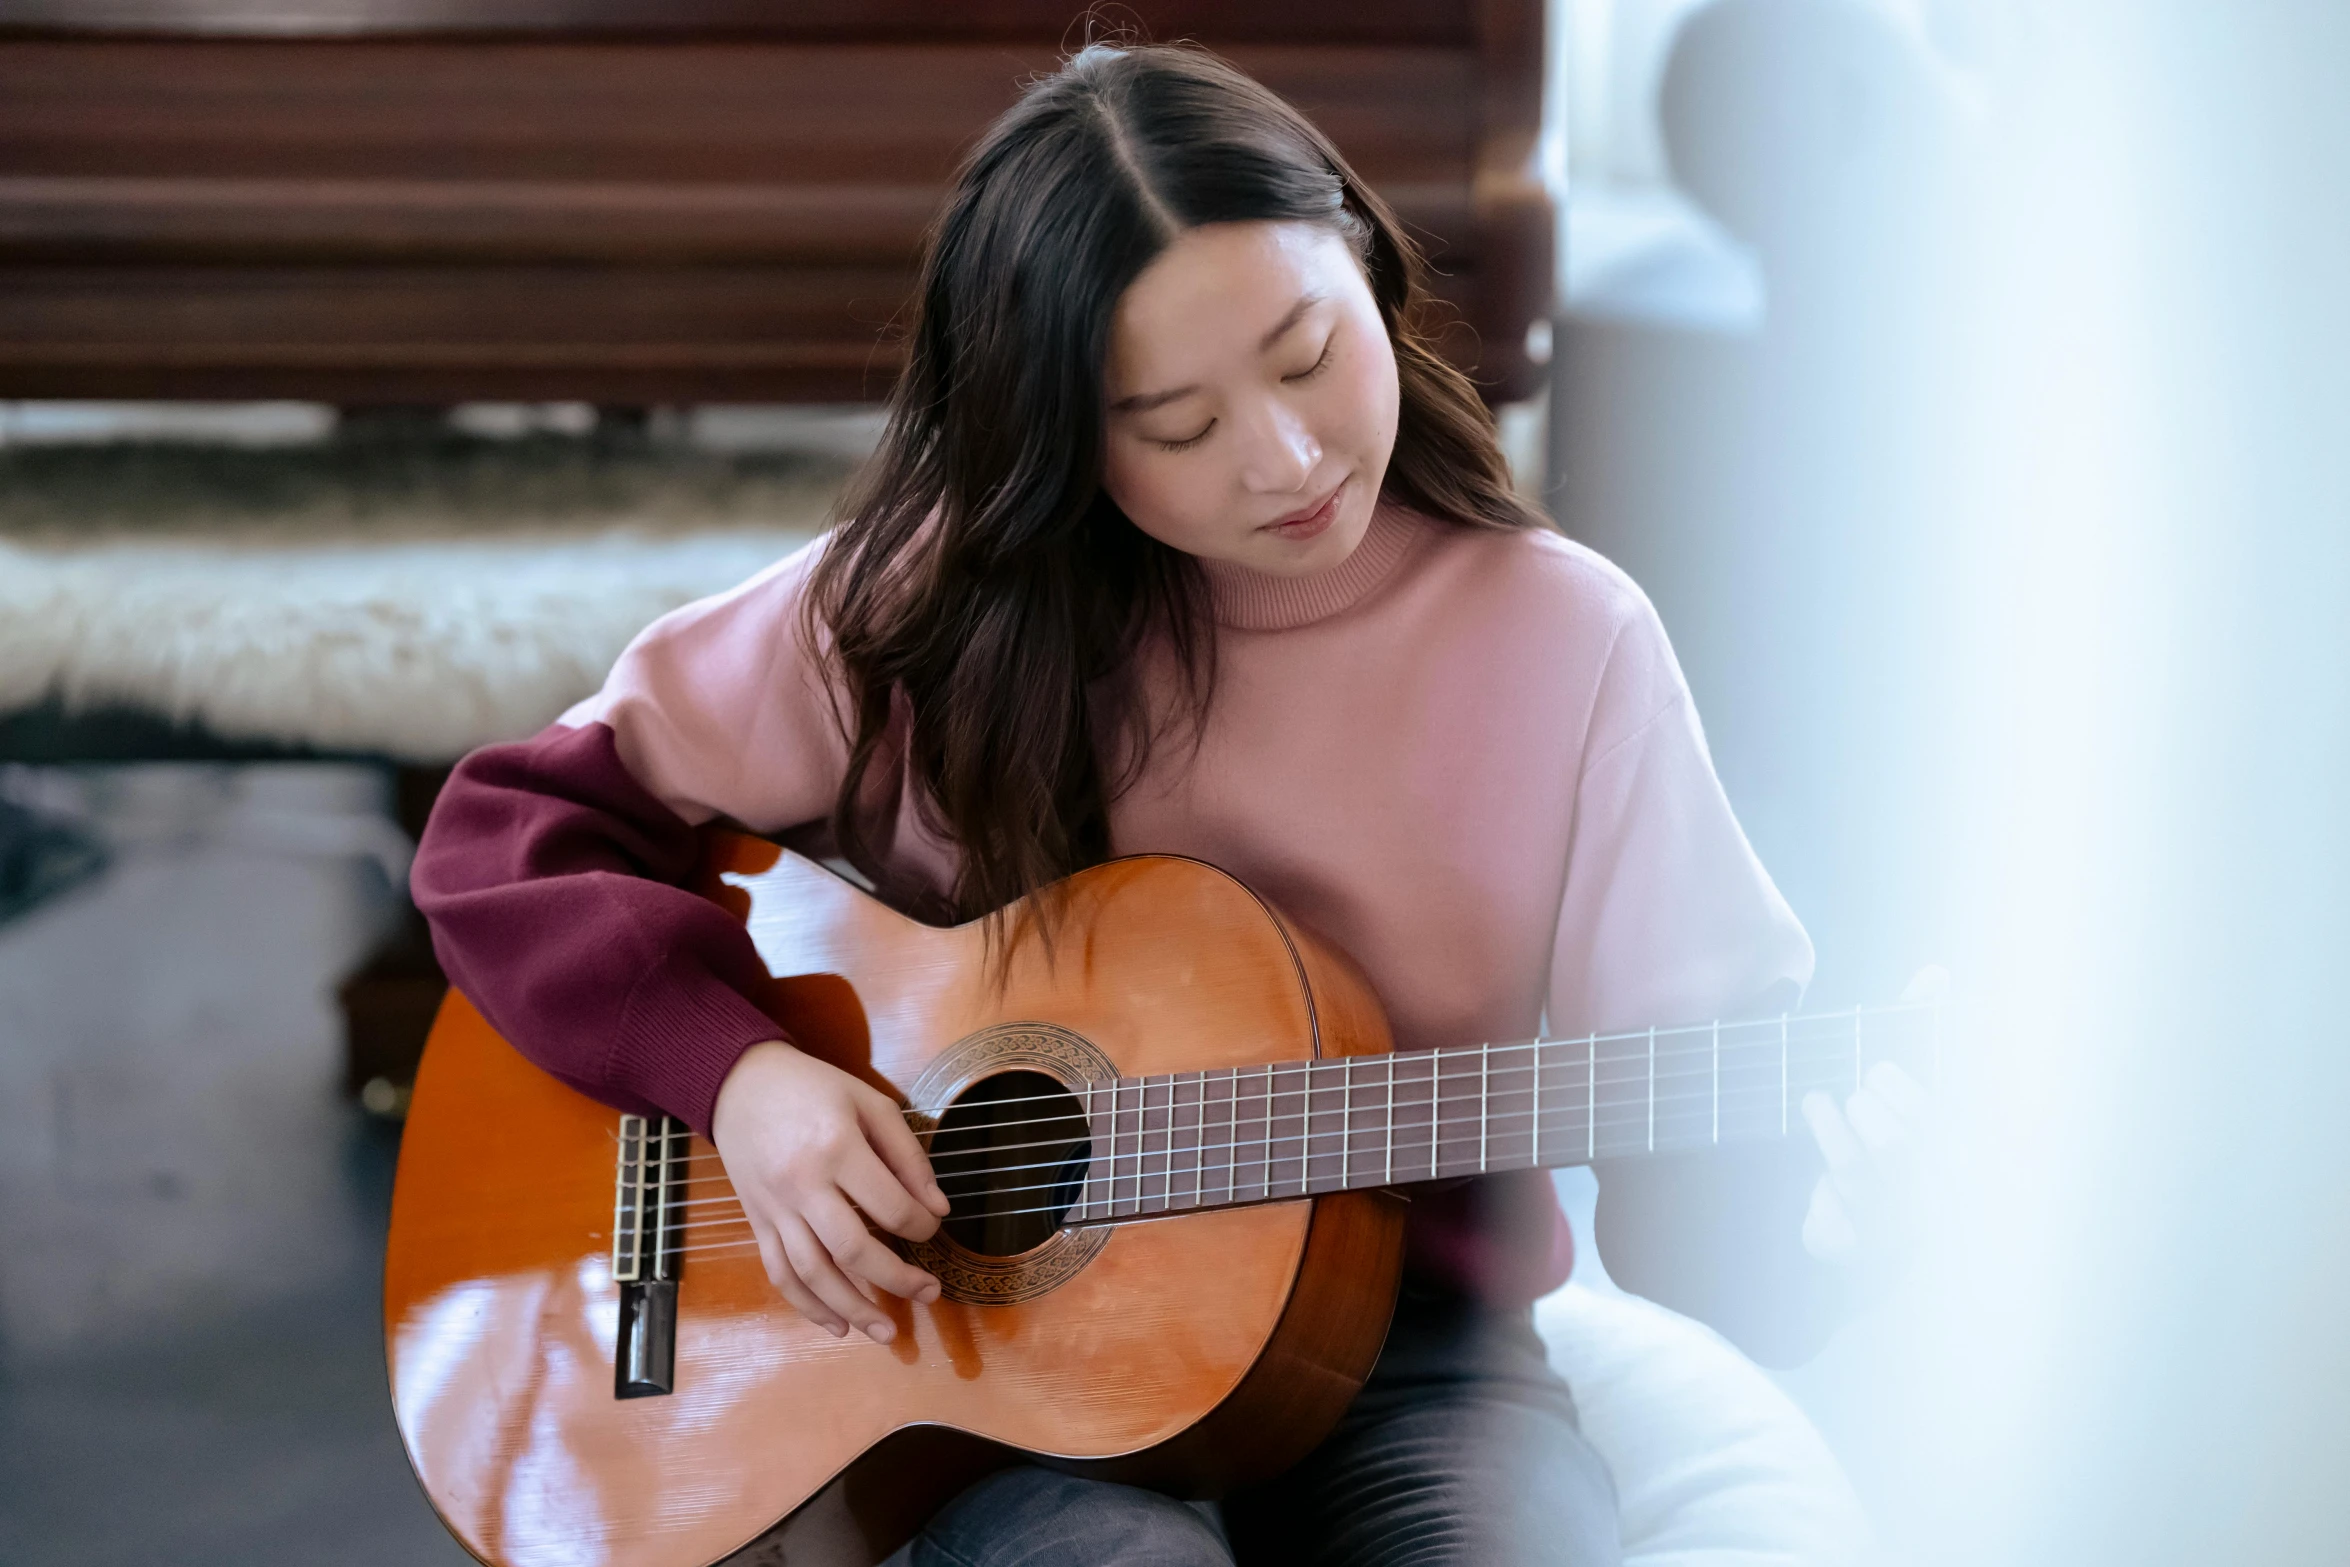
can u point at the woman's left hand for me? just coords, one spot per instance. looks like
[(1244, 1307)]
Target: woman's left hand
[(1863, 1211)]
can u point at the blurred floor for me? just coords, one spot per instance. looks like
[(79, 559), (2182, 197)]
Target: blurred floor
[(191, 1219)]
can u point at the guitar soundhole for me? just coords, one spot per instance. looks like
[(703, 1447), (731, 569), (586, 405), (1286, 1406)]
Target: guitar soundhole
[(1010, 1153)]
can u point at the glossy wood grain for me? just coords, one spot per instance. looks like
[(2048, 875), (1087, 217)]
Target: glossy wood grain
[(1246, 1328), (628, 202)]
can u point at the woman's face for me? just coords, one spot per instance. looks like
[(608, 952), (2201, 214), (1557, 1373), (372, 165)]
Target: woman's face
[(1252, 397)]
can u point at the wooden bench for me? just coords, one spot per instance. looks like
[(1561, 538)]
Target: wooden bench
[(632, 202)]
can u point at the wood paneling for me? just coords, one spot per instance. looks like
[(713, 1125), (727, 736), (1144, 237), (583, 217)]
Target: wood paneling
[(1057, 21), (551, 214)]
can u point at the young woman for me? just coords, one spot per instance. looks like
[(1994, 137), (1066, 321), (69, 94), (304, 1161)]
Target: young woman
[(1180, 539)]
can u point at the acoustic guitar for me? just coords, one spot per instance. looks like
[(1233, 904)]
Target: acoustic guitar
[(1170, 1143)]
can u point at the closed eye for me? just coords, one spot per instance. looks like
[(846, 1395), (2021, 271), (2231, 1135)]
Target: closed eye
[(1187, 442), (1318, 365)]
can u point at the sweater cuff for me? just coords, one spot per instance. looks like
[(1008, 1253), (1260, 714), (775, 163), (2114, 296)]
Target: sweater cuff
[(681, 1032)]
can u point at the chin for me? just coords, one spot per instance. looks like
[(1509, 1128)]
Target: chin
[(1329, 548)]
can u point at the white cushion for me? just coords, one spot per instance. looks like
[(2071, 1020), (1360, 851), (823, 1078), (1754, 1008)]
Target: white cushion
[(1715, 1466)]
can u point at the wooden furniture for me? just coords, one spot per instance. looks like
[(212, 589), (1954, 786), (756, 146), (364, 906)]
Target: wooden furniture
[(632, 201), (1171, 1259)]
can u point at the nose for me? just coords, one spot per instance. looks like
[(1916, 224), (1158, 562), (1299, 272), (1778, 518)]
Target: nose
[(1279, 451)]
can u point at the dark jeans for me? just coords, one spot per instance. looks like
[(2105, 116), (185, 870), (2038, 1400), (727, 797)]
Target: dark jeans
[(1462, 1448)]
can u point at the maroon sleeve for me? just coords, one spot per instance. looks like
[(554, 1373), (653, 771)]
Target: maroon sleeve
[(551, 879)]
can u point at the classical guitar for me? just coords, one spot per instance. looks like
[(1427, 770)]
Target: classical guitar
[(1171, 1259)]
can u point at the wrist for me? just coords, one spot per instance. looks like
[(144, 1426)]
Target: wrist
[(751, 1067)]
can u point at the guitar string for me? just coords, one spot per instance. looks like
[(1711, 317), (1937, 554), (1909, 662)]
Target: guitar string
[(1572, 1107), (1267, 1193), (1624, 1110), (1844, 1018), (1636, 1118), (1688, 1064), (1574, 1124), (1836, 1052), (1568, 1118)]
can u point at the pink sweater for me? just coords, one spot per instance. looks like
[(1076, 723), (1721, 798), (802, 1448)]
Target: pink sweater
[(1468, 757)]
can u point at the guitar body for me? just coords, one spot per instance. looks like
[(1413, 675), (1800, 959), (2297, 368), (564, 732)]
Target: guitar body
[(1191, 1351)]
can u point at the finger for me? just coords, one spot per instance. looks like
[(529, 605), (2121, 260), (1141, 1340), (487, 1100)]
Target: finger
[(787, 1282), (860, 1255), (770, 1251), (875, 1187), (805, 1301), (1900, 1090), (1838, 1146), (1828, 1230), (1931, 983), (1877, 1124), (816, 1269), (900, 1150)]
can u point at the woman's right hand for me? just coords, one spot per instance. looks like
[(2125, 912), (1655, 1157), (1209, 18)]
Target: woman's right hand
[(803, 1141)]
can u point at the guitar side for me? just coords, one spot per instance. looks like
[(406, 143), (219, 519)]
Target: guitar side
[(501, 1311)]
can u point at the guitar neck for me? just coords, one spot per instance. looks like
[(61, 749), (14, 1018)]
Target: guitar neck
[(1231, 1136)]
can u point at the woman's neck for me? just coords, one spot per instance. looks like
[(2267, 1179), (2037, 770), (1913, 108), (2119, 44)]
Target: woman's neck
[(1248, 600)]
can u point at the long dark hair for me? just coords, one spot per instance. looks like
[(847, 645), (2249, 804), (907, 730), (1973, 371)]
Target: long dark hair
[(982, 596)]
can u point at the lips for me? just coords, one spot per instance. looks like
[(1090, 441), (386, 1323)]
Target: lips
[(1313, 519)]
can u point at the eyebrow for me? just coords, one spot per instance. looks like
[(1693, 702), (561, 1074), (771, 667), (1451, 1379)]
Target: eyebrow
[(1144, 402)]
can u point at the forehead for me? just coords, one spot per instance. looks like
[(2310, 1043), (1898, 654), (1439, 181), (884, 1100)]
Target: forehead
[(1212, 294)]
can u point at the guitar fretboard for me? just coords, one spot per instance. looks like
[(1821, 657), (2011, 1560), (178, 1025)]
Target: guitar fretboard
[(1190, 1140)]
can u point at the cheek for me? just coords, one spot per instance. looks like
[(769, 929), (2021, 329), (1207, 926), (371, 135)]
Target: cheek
[(1174, 501), (1372, 399)]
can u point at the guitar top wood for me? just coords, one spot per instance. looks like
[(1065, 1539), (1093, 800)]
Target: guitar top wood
[(1192, 1350)]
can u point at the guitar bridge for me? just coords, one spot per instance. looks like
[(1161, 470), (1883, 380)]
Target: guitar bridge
[(648, 1224)]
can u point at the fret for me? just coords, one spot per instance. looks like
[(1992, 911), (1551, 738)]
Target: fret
[(1175, 1085), (1142, 1145), (1453, 1109), (1175, 1148), (1131, 1147), (1345, 1121), (1323, 1125), (1484, 1099), (1197, 1083), (1265, 1135), (1166, 1140), (1439, 1131), (1175, 1142), (1093, 1162), (1538, 1103), (1199, 1138), (1118, 1144), (1435, 1113), (1387, 1178), (1273, 1143), (1592, 1098), (1154, 1119), (1305, 1128), (1652, 1088), (1255, 1143), (1232, 1133)]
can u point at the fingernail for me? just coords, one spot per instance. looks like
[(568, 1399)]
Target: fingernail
[(881, 1333)]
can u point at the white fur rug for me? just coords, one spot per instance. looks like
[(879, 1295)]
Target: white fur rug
[(413, 597), (420, 649)]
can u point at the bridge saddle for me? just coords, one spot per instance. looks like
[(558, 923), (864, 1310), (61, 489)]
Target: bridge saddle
[(648, 1231)]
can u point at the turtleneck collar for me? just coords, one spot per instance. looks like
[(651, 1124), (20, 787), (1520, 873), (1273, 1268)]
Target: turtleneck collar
[(1247, 600)]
